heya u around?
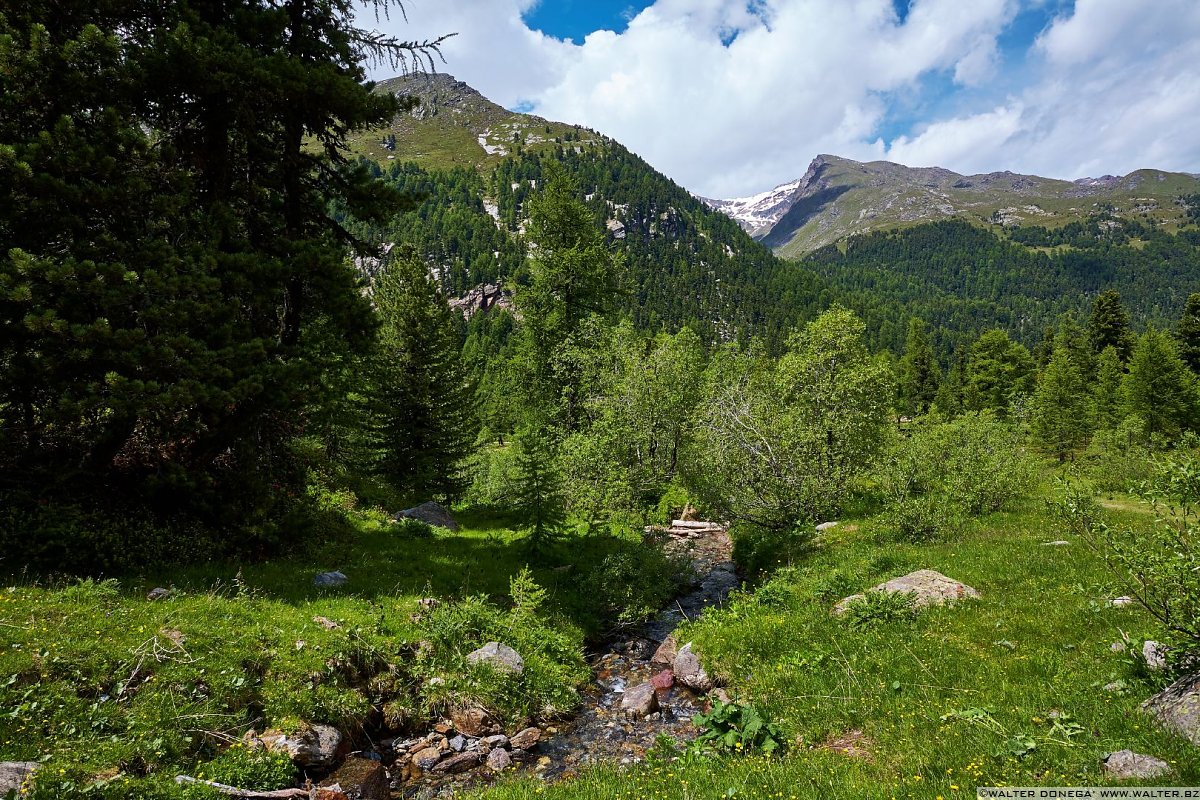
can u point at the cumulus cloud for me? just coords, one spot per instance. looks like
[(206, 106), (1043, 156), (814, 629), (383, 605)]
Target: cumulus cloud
[(729, 97)]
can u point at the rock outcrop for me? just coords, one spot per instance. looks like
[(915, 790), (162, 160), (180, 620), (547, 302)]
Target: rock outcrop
[(928, 587)]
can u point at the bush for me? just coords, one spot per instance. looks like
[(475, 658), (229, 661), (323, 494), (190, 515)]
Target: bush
[(946, 471), (878, 608), (737, 728), (633, 584), (1119, 460)]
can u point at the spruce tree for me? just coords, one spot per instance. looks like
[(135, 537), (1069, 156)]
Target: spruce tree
[(1159, 387), (919, 376), (1188, 333), (1061, 409), (1109, 325), (422, 399), (1107, 397), (999, 372), (537, 492)]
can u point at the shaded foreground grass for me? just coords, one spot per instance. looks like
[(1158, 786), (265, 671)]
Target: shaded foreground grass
[(1003, 690)]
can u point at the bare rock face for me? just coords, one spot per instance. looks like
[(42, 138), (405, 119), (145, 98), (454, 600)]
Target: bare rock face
[(1178, 707), (315, 747), (360, 779), (14, 774), (1128, 764), (499, 656), (639, 701), (430, 513), (688, 671), (928, 586)]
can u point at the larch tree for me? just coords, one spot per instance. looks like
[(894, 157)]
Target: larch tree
[(1109, 325)]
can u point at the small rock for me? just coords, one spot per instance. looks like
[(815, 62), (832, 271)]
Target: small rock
[(640, 701), (1121, 602), (430, 513), (443, 726), (499, 760), (360, 779), (526, 739), (1177, 707), (14, 774), (1115, 686), (824, 526), (424, 760), (663, 680), (458, 743), (688, 671), (1128, 764), (1117, 647), (543, 762), (459, 763), (158, 593), (329, 579), (326, 623), (317, 746), (474, 721), (664, 656), (329, 793), (436, 680), (518, 755), (722, 695), (1155, 655), (499, 656), (1056, 543), (498, 740)]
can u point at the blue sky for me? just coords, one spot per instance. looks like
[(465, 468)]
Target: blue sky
[(732, 97)]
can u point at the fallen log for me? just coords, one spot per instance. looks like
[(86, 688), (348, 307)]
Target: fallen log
[(695, 525), (250, 794)]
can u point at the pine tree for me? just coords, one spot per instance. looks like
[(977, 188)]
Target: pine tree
[(1109, 325), (1188, 333), (1107, 397), (918, 373), (422, 397), (1000, 371), (1061, 407), (1159, 387), (538, 494)]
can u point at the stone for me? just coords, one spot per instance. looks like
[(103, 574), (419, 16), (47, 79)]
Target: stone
[(458, 743), (640, 701), (329, 579), (526, 739), (688, 670), (425, 759), (1117, 647), (430, 513), (326, 623), (664, 656), (1056, 543), (499, 760), (474, 721), (158, 593), (329, 793), (14, 774), (458, 763), (497, 740), (1177, 707), (360, 779), (314, 747), (1114, 686), (722, 695), (1155, 655), (663, 680), (1128, 764), (1121, 602), (928, 587), (518, 755), (499, 656), (824, 526)]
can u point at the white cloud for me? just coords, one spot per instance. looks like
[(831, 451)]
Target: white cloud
[(1110, 87)]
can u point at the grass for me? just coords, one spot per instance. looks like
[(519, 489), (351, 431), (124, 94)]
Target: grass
[(1003, 690)]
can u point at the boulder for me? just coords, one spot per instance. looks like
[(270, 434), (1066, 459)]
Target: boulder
[(158, 593), (640, 701), (360, 779), (1178, 707), (492, 742), (474, 721), (526, 739), (499, 760), (663, 680), (1155, 655), (425, 759), (329, 579), (430, 513), (928, 587), (664, 656), (688, 671), (315, 747), (498, 656), (458, 743), (1128, 764), (14, 774)]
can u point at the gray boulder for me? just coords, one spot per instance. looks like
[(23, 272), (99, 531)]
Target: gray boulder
[(1178, 707), (1155, 655), (928, 587), (360, 779), (329, 579), (1128, 764), (639, 701), (498, 656), (689, 672), (499, 760), (430, 513), (317, 746), (14, 774)]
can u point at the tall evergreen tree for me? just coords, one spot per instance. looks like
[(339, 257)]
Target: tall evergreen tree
[(999, 372), (918, 372), (1159, 387), (1107, 396), (1109, 325), (1188, 333), (421, 395), (538, 494), (1061, 409)]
